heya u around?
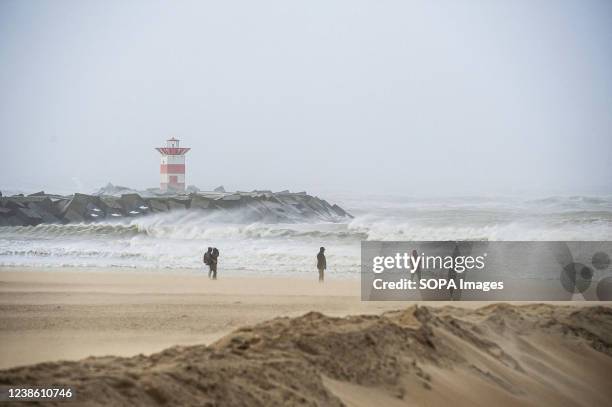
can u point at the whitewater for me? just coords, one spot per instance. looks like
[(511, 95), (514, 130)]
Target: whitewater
[(169, 242)]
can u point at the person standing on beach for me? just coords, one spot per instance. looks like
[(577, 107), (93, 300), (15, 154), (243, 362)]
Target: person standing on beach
[(214, 260), (207, 260), (321, 263)]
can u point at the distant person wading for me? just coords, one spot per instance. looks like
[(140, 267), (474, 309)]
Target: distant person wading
[(321, 264)]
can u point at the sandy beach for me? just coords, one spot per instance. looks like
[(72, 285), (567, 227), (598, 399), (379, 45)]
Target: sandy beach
[(76, 313), (150, 338)]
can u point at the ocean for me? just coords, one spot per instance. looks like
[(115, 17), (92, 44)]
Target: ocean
[(169, 242)]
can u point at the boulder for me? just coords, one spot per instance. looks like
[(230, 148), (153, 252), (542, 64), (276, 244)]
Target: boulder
[(229, 201), (11, 220), (340, 212), (183, 200), (59, 205), (73, 216), (43, 202), (28, 210), (45, 211), (231, 197), (82, 208), (14, 202), (133, 205), (158, 204), (8, 217), (112, 207), (176, 204), (200, 202), (28, 216)]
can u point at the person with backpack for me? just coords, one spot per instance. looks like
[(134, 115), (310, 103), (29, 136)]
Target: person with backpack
[(214, 260), (207, 260)]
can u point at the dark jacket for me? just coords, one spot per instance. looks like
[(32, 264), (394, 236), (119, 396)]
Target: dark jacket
[(207, 258), (321, 262), (214, 259)]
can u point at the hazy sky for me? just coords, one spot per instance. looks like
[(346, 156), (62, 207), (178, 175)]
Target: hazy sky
[(424, 97)]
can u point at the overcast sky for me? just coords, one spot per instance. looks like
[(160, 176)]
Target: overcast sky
[(409, 97)]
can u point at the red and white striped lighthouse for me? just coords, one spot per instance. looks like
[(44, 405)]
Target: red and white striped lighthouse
[(172, 169)]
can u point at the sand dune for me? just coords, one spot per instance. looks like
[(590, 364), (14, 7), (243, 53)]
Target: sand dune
[(529, 355)]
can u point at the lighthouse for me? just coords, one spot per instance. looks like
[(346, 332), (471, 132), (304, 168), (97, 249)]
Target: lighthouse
[(172, 168)]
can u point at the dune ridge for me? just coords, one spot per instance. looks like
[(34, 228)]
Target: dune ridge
[(529, 355)]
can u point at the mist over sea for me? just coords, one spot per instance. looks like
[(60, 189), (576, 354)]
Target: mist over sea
[(176, 240)]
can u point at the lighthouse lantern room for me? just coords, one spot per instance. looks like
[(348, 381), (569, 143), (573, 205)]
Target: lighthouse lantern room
[(172, 168)]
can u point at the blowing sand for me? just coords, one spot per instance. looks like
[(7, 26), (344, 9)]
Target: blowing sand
[(265, 342), (52, 315)]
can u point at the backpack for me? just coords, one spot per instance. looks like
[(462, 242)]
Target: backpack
[(207, 258)]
